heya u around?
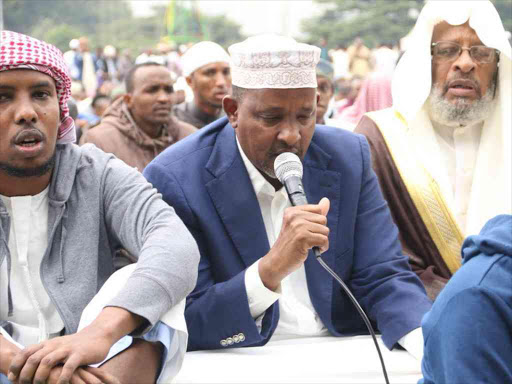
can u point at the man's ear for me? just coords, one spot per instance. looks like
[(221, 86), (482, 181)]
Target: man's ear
[(189, 80), (230, 106), (127, 98)]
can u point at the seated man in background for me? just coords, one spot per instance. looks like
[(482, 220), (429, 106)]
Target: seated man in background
[(63, 210), (140, 125), (258, 276), (468, 331), (443, 151), (325, 89), (206, 70)]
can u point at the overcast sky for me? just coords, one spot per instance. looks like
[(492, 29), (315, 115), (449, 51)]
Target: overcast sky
[(255, 16)]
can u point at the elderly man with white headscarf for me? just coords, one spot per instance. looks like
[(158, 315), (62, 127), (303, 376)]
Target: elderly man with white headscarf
[(443, 151), (206, 70)]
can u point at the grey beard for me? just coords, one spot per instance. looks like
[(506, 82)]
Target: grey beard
[(40, 170), (463, 112)]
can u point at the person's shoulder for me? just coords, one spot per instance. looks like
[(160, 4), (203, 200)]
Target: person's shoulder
[(89, 153), (188, 148), (81, 160), (104, 135), (334, 139), (346, 149)]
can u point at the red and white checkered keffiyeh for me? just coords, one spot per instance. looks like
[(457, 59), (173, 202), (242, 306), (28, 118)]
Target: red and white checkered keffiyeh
[(19, 51)]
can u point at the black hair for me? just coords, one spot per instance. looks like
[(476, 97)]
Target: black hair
[(98, 97), (238, 93), (128, 81)]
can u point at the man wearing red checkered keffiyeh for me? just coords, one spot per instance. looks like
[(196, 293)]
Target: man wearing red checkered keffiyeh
[(64, 209), (18, 51)]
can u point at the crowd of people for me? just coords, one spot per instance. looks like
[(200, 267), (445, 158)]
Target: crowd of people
[(407, 167)]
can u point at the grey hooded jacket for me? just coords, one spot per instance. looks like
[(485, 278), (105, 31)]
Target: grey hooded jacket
[(96, 204)]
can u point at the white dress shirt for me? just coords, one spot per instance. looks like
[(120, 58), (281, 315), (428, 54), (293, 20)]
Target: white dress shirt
[(459, 149), (297, 316), (35, 318)]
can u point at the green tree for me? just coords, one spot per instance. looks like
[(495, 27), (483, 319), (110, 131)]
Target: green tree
[(50, 20), (223, 31), (504, 8), (112, 22), (190, 25), (375, 21)]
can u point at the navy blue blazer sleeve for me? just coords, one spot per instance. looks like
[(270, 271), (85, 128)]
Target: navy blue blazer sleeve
[(382, 279), (215, 310)]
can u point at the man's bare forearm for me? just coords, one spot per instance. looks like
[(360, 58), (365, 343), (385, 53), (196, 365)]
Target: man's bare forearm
[(138, 364)]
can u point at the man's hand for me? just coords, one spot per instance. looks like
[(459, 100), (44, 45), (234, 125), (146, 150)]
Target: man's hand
[(90, 345), (35, 363), (84, 375), (304, 227), (7, 352)]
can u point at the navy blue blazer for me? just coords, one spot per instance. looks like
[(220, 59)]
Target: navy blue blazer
[(204, 178)]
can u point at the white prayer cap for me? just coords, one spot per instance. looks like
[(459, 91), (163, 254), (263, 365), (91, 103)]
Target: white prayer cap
[(201, 54), (272, 61), (109, 51), (73, 44)]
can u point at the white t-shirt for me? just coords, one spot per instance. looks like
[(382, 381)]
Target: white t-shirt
[(35, 318)]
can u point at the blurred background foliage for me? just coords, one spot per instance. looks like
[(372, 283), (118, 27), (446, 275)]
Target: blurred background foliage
[(375, 21), (112, 22)]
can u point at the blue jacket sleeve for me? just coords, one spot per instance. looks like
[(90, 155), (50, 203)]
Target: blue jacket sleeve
[(382, 279), (216, 310), (470, 342)]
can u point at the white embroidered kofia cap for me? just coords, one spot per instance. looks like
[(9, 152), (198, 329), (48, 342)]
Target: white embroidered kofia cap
[(272, 61)]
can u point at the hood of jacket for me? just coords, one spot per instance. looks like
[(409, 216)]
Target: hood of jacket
[(494, 238)]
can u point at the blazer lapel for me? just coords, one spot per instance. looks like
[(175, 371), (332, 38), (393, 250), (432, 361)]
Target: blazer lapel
[(320, 182), (234, 198)]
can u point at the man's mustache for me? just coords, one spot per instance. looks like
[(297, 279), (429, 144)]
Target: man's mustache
[(470, 79)]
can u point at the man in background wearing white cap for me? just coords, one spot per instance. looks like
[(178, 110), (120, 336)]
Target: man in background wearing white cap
[(257, 274), (69, 58), (206, 69), (443, 151)]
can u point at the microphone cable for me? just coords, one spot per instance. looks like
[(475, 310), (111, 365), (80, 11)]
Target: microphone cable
[(358, 307), (288, 170)]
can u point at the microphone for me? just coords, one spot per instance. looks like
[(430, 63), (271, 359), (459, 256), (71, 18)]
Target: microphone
[(288, 170)]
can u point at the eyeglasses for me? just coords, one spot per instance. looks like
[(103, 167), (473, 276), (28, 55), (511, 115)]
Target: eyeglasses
[(444, 51)]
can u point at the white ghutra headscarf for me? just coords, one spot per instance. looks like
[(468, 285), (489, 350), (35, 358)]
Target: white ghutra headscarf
[(491, 192)]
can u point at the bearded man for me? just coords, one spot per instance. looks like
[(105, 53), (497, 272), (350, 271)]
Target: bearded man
[(63, 211), (443, 151), (140, 125)]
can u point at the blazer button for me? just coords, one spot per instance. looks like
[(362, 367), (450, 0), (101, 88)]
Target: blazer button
[(241, 337), (230, 341), (236, 338), (224, 343)]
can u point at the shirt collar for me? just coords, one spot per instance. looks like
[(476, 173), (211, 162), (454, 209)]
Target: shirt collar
[(259, 183)]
